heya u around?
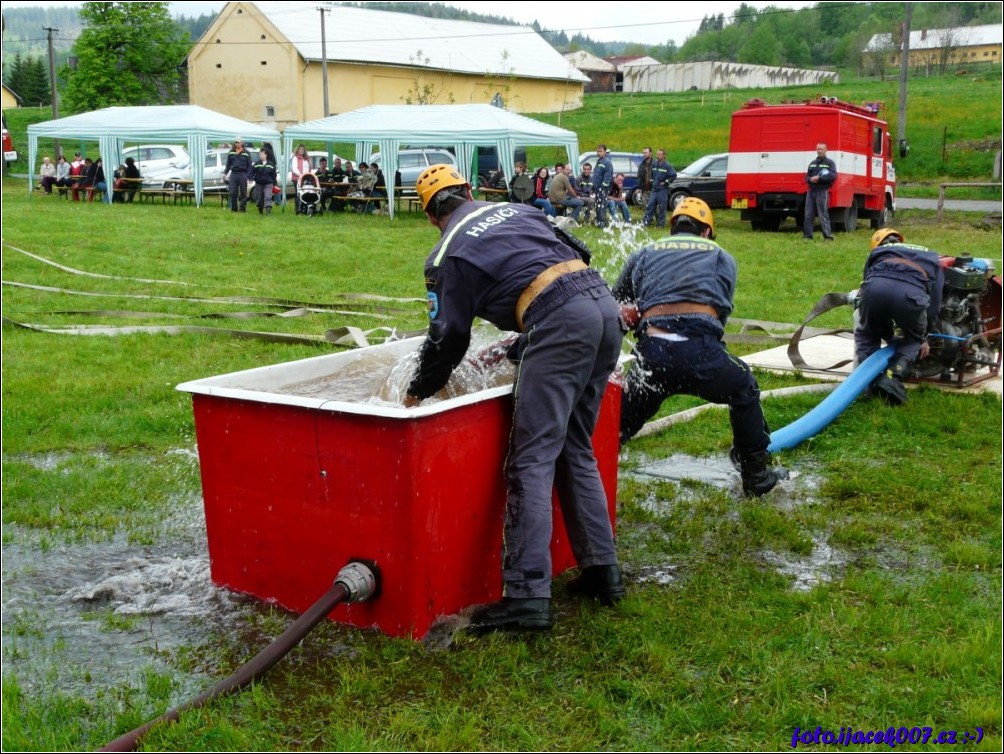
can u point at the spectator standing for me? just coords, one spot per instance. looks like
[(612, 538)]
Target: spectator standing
[(645, 172), (603, 178), (47, 175), (264, 179), (299, 164), (678, 295), (237, 174), (820, 176), (663, 174), (519, 274), (617, 200), (902, 289), (521, 188), (562, 193)]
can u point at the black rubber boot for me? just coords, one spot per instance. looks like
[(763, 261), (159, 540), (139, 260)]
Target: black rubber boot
[(602, 582), (513, 614), (756, 472), (889, 388)]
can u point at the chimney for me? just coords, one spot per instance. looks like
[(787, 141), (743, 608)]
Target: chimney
[(923, 34)]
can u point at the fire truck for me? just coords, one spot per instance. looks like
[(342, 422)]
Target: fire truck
[(771, 146)]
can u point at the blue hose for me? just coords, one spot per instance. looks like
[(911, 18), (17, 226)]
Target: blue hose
[(833, 405)]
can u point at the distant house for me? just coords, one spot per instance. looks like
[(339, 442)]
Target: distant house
[(602, 74), (624, 61), (960, 45), (262, 62), (10, 98)]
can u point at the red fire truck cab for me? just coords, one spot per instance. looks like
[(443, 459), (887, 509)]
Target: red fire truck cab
[(771, 146)]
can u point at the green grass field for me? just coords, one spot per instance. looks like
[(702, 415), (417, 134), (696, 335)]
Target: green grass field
[(903, 630)]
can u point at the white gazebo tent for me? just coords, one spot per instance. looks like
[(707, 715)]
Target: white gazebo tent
[(462, 128), (113, 127)]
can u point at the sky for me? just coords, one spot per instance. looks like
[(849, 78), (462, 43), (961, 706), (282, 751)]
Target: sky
[(649, 23)]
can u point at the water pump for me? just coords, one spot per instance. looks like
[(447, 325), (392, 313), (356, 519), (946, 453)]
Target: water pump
[(967, 337)]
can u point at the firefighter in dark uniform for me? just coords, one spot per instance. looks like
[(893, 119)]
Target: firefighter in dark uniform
[(603, 176), (819, 177), (507, 264), (237, 174), (678, 294), (901, 289)]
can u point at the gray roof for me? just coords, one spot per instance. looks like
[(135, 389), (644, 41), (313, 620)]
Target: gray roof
[(360, 35), (934, 39)]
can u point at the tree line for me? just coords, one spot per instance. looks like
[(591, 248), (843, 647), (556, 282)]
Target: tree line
[(134, 53)]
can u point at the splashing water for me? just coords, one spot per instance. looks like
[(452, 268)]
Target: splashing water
[(619, 241), (383, 378)]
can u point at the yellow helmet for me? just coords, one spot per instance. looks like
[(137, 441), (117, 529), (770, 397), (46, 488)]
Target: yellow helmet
[(434, 179), (879, 236), (696, 209)]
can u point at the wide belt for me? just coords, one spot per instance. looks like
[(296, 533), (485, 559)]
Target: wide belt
[(908, 263), (681, 307), (541, 282)]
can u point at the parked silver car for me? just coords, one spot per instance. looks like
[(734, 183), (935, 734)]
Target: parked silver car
[(411, 163), (157, 162)]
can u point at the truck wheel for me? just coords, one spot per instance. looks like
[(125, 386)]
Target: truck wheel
[(676, 198), (771, 223), (880, 218), (847, 219)]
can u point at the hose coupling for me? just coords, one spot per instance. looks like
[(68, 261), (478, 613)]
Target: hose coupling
[(360, 581)]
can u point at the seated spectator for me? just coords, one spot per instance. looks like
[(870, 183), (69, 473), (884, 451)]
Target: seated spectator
[(340, 189), (62, 175), (324, 176), (96, 182), (47, 175), (79, 170), (133, 179), (616, 199), (521, 186), (540, 199), (561, 192), (119, 185)]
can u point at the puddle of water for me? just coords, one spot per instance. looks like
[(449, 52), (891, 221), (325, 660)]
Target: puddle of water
[(80, 618), (657, 574), (795, 490), (819, 567)]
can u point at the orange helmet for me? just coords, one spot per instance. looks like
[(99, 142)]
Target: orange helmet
[(881, 235), (434, 179), (695, 209)]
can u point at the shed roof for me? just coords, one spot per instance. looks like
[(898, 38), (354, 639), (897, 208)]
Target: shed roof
[(361, 35)]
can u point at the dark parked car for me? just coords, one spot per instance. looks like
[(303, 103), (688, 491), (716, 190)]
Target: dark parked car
[(703, 178)]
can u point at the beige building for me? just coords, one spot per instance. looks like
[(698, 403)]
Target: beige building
[(961, 45), (262, 62), (10, 100)]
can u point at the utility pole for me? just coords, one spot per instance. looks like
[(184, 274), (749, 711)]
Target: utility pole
[(904, 71), (324, 61), (52, 86)]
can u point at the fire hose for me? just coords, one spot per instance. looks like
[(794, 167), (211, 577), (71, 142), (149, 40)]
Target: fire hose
[(358, 581)]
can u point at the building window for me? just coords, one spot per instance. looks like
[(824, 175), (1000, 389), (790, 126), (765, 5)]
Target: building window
[(219, 65), (264, 62), (269, 111), (262, 36)]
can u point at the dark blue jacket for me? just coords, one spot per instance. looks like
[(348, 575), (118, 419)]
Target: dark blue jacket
[(603, 175), (662, 174), (825, 168), (932, 279), (488, 254), (676, 269), (238, 162)]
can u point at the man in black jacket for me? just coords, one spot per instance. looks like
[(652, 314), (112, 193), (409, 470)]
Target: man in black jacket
[(820, 176)]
